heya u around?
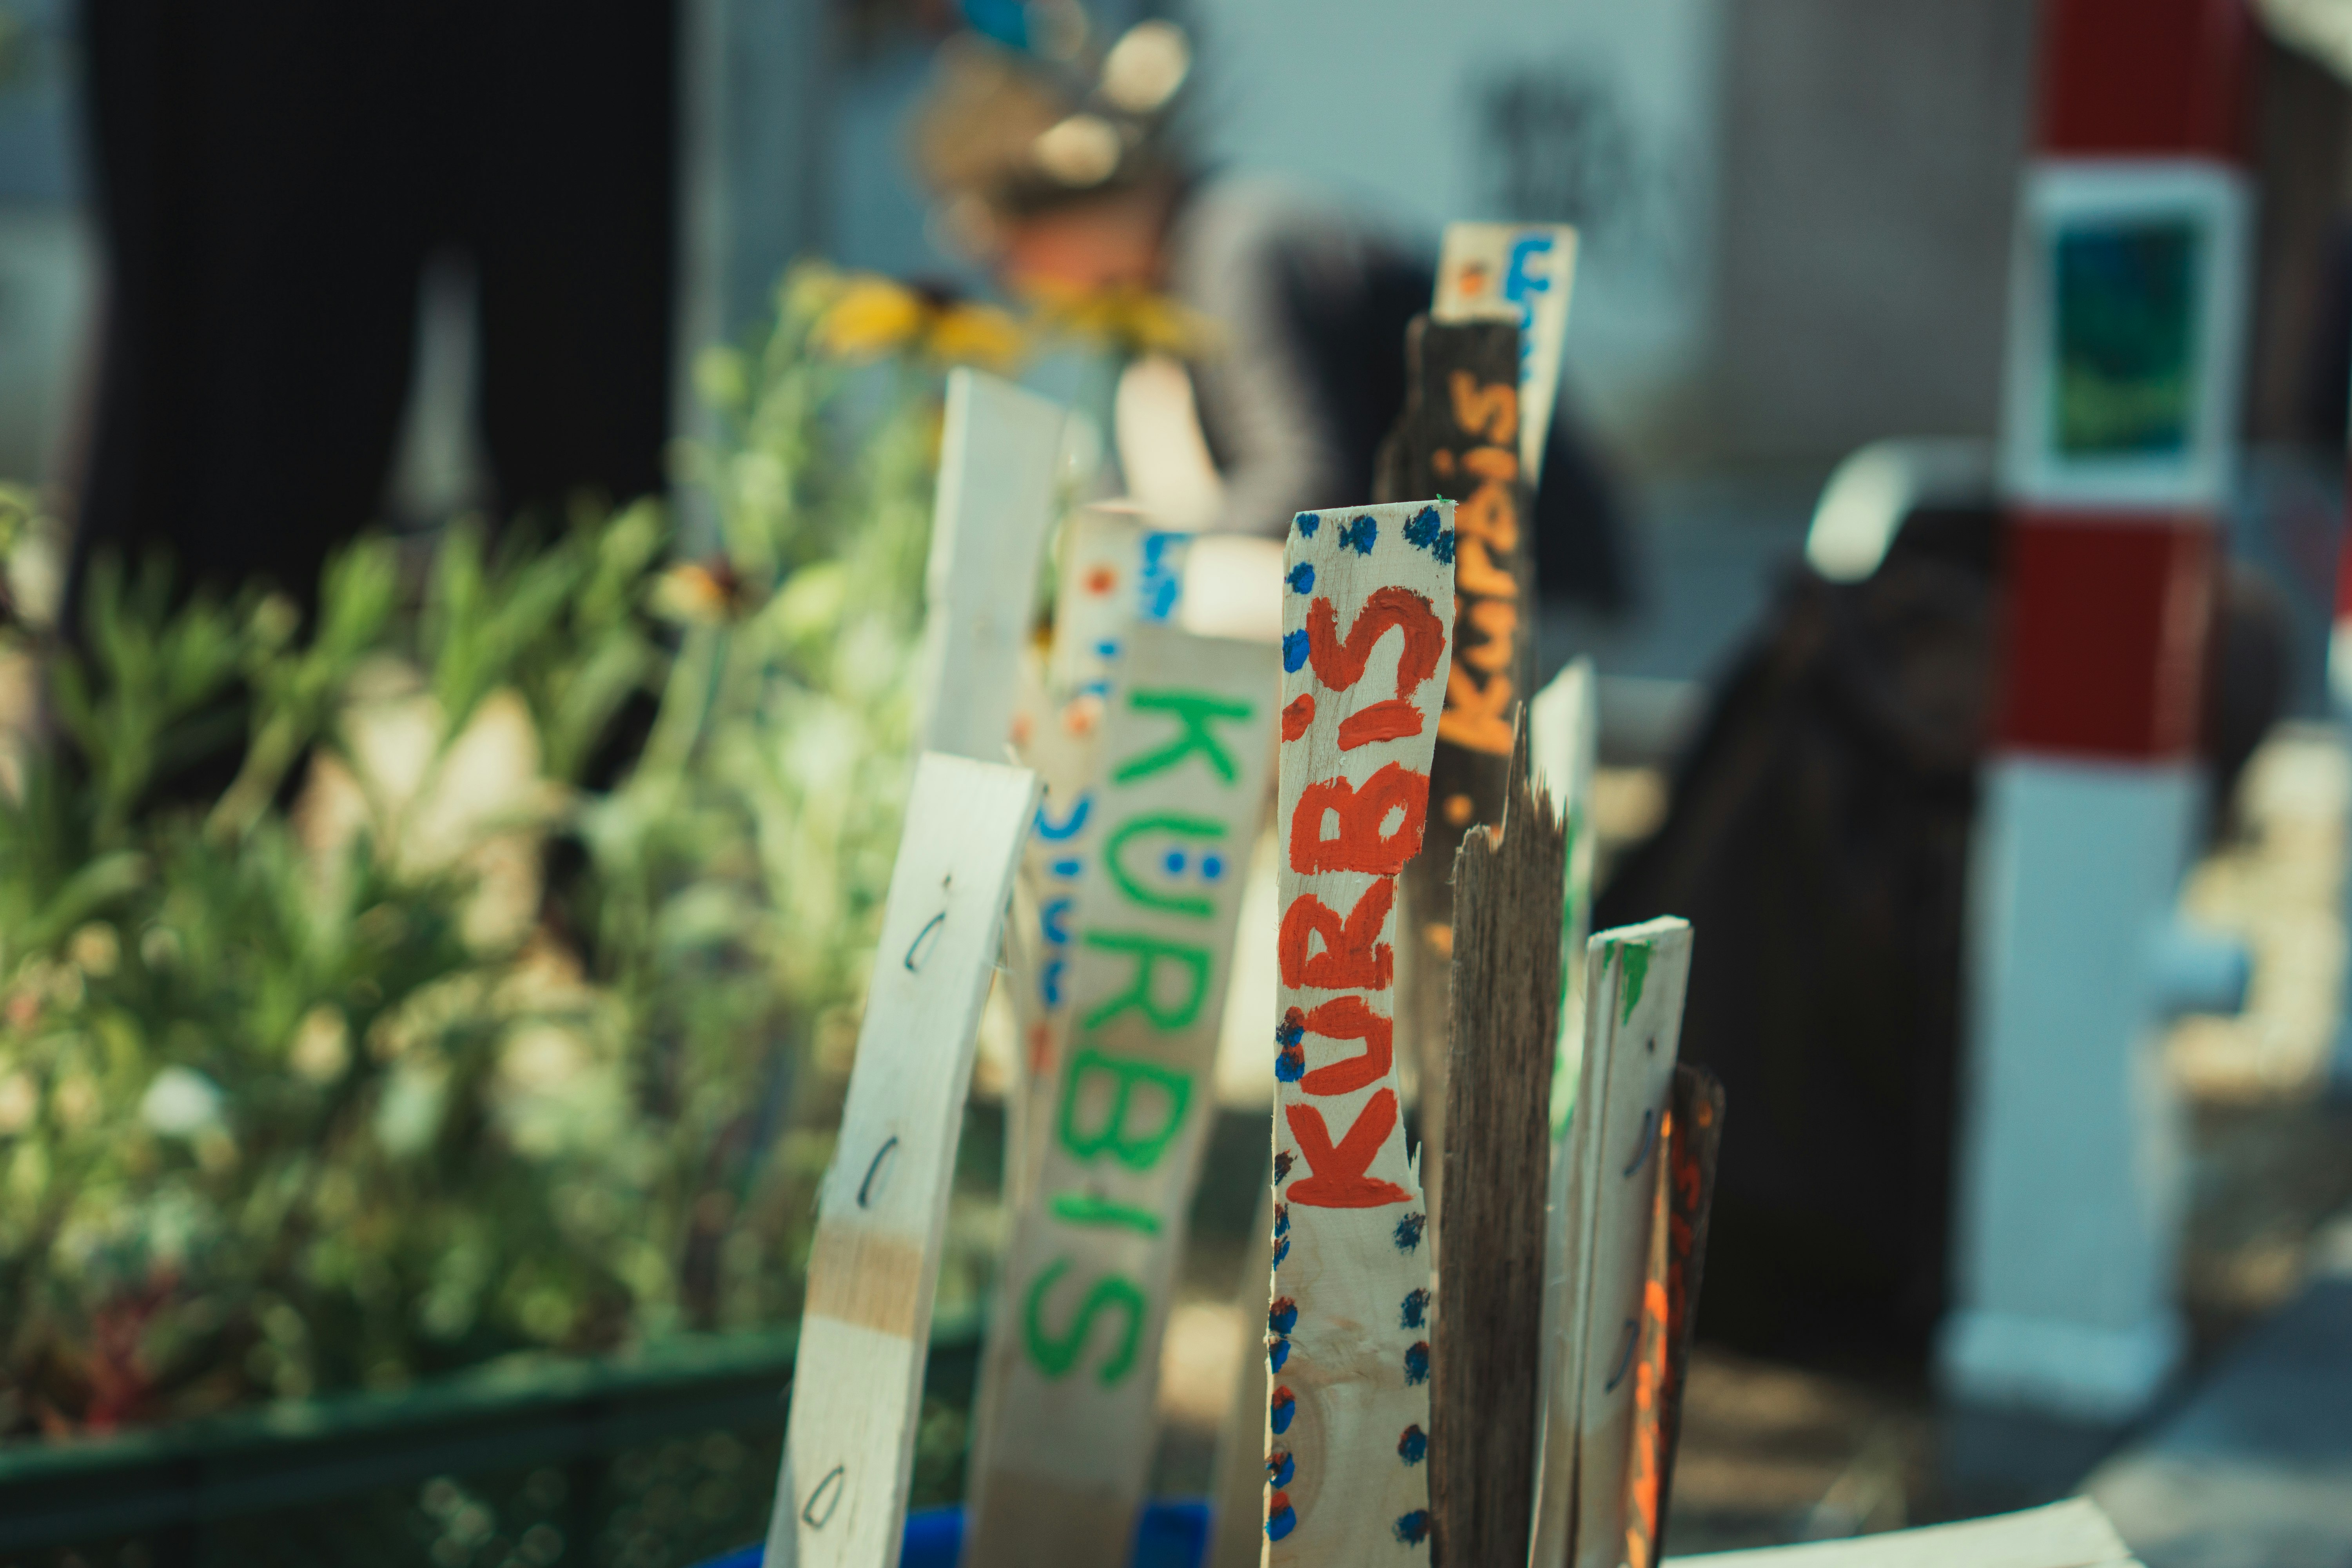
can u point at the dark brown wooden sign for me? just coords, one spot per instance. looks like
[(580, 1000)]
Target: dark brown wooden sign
[(1459, 439)]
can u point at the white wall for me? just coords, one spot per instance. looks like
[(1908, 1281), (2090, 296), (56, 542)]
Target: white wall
[(1390, 103)]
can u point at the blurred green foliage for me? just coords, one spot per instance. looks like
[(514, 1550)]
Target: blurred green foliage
[(500, 998)]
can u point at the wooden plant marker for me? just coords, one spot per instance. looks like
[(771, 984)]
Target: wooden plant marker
[(1563, 724), (857, 1384), (1520, 272), (1117, 572), (1670, 1304), (999, 462), (1563, 738), (1367, 617), (1114, 574), (1635, 981), (1459, 438), (1071, 1374), (1490, 1254)]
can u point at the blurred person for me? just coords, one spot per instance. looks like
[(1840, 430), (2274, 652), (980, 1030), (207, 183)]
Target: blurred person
[(271, 181), (1069, 179)]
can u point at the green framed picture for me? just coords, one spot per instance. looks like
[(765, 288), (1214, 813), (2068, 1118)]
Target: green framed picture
[(2126, 323)]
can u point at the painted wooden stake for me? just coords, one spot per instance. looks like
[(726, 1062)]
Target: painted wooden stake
[(1115, 573), (857, 1383), (999, 462), (1073, 1359), (1490, 1255), (1634, 980), (1459, 438), (1368, 617), (1058, 738), (1671, 1301), (1563, 740), (1519, 272), (1563, 725)]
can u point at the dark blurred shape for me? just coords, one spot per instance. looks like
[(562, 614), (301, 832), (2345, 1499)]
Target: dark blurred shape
[(2325, 405), (270, 180), (1818, 837)]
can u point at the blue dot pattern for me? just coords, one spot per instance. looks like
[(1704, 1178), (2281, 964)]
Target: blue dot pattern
[(1426, 531)]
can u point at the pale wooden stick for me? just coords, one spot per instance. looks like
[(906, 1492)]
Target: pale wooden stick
[(1634, 980), (999, 462), (1490, 1257), (1563, 740), (1367, 618), (1522, 272), (1073, 1358), (1563, 733), (858, 1385)]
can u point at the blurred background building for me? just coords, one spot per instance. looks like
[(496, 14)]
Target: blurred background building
[(1795, 214)]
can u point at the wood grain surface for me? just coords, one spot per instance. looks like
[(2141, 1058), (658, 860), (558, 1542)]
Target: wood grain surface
[(857, 1378), (1484, 1405), (1368, 613)]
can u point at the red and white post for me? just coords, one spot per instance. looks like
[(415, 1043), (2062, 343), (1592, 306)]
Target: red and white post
[(2128, 296)]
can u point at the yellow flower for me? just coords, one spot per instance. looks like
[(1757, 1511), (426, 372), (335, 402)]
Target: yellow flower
[(872, 317), (868, 317), (966, 333), (1126, 319)]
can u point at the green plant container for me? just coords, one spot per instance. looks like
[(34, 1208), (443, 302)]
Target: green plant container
[(661, 1458)]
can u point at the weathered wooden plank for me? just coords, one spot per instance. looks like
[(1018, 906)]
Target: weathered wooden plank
[(1071, 1370), (857, 1379), (999, 463), (1523, 272), (1485, 1408), (1459, 438), (1635, 978), (1367, 619)]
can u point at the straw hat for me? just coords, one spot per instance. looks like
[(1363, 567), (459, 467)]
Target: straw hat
[(1003, 133)]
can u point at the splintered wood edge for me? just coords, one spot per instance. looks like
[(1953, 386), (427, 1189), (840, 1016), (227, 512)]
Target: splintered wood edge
[(1485, 1412)]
